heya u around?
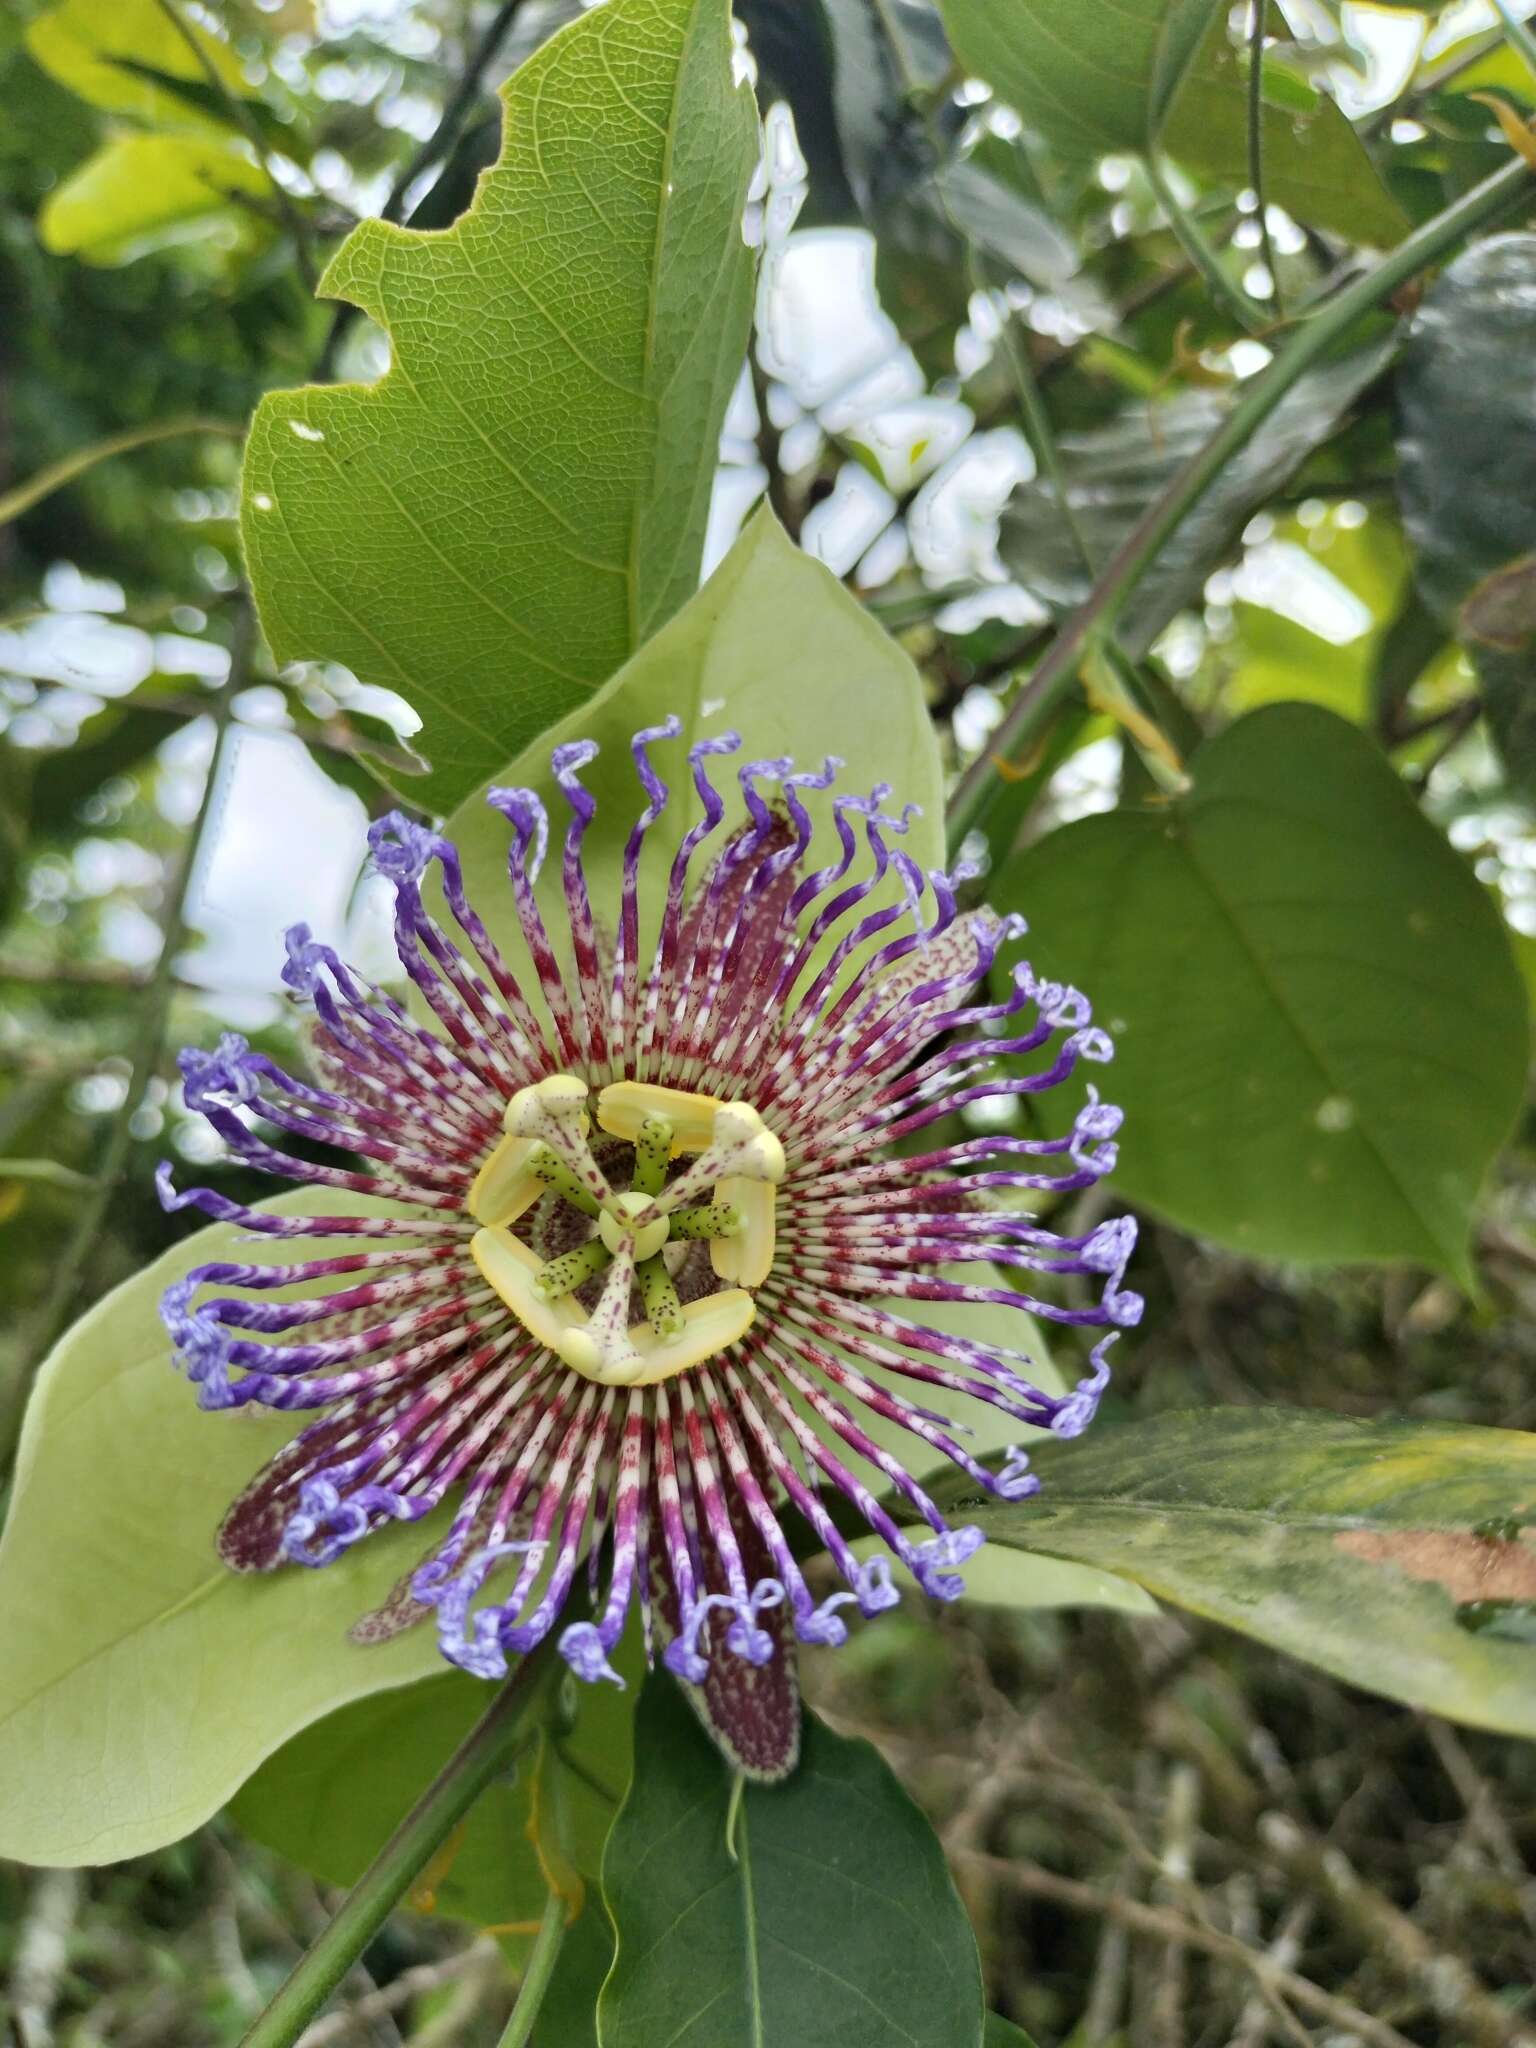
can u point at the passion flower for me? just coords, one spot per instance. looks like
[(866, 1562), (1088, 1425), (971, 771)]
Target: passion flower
[(661, 1230)]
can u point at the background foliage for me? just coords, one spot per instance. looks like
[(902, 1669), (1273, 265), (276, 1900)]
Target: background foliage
[(1015, 267)]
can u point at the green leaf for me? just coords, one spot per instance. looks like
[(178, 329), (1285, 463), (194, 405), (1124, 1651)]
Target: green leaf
[(772, 646), (817, 1912), (1001, 2033), (520, 501), (1465, 450), (1321, 1036), (1144, 73), (140, 191), (1114, 472), (330, 1797), (1352, 1544), (88, 46), (143, 1680)]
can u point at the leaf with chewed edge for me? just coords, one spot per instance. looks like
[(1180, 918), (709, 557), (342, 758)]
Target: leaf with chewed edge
[(520, 501)]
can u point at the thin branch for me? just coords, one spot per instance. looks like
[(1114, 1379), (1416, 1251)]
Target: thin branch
[(41, 485), (1164, 1925), (541, 1967), (240, 114), (1256, 145), (1190, 236), (438, 145), (483, 1753), (481, 1963)]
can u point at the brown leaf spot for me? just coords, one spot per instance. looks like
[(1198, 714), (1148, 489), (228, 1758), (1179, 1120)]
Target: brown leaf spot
[(1468, 1567)]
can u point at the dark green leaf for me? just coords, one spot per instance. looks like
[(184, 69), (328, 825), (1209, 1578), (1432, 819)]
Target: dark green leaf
[(1001, 2033), (1321, 1035), (1356, 1545), (520, 501), (818, 1912), (1466, 455), (1115, 472)]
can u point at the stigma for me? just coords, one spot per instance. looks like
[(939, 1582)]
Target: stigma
[(702, 1170)]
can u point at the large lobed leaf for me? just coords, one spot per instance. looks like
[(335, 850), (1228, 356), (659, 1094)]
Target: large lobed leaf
[(1161, 73), (520, 501), (1390, 1553), (143, 1680), (1321, 1034), (817, 1912)]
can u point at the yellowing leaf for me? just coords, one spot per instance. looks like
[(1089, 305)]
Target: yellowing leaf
[(85, 44), (1397, 1555), (140, 191)]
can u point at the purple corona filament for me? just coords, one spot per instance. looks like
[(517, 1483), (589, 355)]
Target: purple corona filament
[(649, 1270)]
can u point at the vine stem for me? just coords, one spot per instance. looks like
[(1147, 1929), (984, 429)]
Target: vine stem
[(541, 1967), (1256, 33), (149, 1041), (484, 1752), (1190, 237), (1098, 615)]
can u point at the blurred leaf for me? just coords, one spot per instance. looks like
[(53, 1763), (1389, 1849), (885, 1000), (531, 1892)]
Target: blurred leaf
[(532, 475), (138, 191), (1003, 221), (82, 43), (1148, 73), (1320, 597), (1320, 1034), (818, 1911), (1001, 2033), (772, 647), (1115, 472), (885, 143), (1466, 453), (144, 1681), (329, 1797), (1355, 1545)]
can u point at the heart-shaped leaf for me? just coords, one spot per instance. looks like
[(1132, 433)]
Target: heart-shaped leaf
[(773, 647), (520, 501), (1321, 1034)]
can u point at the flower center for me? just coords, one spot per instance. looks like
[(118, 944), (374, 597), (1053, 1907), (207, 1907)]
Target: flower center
[(724, 1196)]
